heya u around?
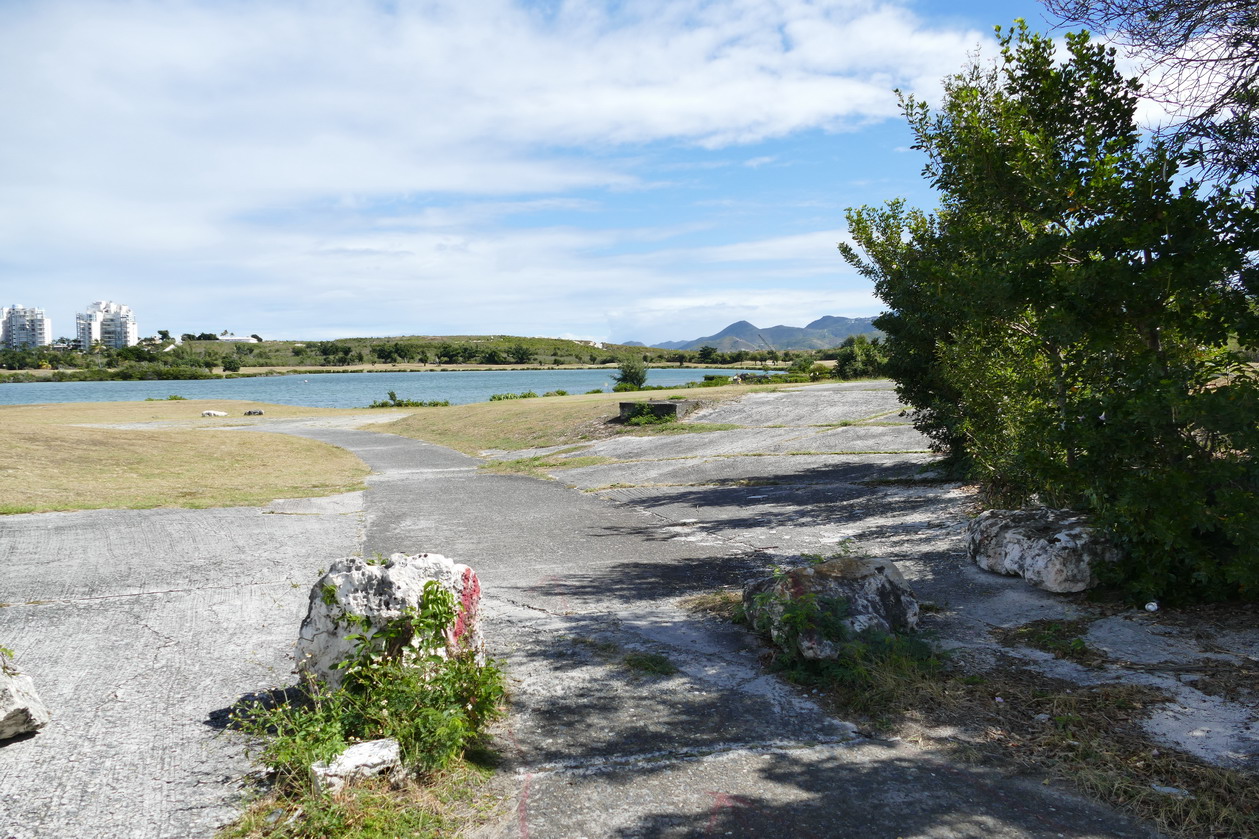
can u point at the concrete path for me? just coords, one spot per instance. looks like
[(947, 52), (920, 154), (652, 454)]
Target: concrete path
[(141, 627)]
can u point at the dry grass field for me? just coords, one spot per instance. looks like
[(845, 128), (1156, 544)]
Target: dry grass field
[(133, 455), (160, 454), (515, 424)]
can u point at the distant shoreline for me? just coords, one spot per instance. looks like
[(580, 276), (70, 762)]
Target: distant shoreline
[(194, 374)]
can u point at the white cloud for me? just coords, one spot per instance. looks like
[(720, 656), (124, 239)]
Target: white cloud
[(274, 152)]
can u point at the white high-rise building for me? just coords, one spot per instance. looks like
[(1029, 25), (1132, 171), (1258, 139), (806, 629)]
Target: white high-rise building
[(22, 327), (112, 324)]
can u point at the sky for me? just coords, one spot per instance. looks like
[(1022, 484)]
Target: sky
[(618, 170)]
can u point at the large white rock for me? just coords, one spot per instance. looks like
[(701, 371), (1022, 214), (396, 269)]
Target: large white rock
[(1052, 549), (874, 590), (362, 760), (21, 710), (355, 589)]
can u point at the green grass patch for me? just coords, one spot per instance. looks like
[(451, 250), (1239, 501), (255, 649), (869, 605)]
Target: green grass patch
[(1089, 737), (541, 465), (1062, 638), (688, 427), (448, 803), (653, 664)]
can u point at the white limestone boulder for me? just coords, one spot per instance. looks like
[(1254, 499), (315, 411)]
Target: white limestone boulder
[(21, 710), (874, 592), (362, 760), (357, 595), (1054, 550)]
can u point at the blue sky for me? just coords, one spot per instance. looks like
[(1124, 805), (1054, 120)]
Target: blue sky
[(637, 170)]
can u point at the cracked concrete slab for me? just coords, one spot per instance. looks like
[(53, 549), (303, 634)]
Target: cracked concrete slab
[(140, 627), (574, 581)]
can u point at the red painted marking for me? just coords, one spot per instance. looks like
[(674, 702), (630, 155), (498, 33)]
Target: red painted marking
[(557, 583), (522, 810), (721, 801)]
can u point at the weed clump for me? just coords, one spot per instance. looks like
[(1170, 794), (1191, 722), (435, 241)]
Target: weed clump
[(643, 414), (871, 672), (394, 402), (435, 706)]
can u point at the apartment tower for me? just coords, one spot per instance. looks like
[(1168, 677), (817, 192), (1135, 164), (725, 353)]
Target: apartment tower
[(111, 324)]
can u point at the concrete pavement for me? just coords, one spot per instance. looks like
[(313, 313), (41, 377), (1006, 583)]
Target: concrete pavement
[(140, 627)]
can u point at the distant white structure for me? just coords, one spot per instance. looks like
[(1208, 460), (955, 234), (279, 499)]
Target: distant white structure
[(243, 339), (112, 324), (22, 327)]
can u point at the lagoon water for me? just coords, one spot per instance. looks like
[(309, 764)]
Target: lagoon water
[(344, 390)]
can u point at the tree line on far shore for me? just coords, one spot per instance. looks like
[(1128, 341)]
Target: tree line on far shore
[(203, 355)]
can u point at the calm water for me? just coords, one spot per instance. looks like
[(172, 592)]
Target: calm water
[(343, 390)]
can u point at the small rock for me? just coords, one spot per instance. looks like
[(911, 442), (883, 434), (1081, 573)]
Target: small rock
[(1176, 791), (362, 760), (21, 710)]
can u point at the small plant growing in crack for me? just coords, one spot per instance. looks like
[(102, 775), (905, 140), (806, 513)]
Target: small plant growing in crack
[(652, 663)]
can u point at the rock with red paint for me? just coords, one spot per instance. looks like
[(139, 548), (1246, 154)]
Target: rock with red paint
[(813, 606), (359, 597)]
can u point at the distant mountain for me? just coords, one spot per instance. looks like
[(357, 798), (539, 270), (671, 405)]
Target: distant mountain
[(823, 333)]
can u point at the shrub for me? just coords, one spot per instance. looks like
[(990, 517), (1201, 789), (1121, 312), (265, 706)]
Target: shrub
[(872, 671), (643, 414), (1066, 326), (434, 707), (394, 402), (632, 375)]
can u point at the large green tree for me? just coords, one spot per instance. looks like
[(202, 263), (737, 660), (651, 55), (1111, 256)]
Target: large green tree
[(1063, 322)]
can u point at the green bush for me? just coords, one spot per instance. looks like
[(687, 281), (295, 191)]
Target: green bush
[(644, 415), (858, 357), (435, 707), (1073, 325), (632, 375)]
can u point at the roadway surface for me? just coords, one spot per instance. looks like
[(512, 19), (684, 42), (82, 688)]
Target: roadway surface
[(141, 628)]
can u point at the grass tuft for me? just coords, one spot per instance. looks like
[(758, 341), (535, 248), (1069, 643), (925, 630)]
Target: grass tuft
[(654, 664)]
